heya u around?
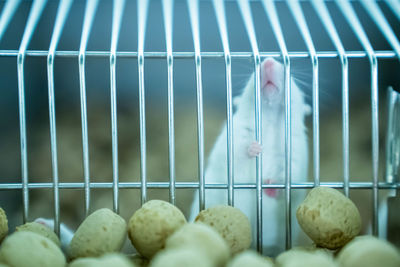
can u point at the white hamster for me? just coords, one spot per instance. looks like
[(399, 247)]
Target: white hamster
[(273, 149)]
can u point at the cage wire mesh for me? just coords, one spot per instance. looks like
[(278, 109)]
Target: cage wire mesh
[(113, 103)]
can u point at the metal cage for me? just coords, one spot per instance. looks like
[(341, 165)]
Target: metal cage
[(197, 55)]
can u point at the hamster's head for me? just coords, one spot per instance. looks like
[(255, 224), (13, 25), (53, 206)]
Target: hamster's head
[(272, 90), (272, 80)]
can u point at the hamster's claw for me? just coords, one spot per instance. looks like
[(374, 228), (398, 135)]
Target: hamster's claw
[(254, 149)]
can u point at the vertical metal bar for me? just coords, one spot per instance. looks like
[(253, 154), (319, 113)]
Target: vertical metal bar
[(395, 6), (259, 159), (8, 12), (377, 15), (219, 9), (118, 8), (270, 9), (355, 24), (194, 21), (90, 11), (244, 7), (168, 11), (61, 16), (375, 142), (229, 114), (345, 125), (392, 140), (383, 25), (33, 19), (324, 16), (142, 7), (301, 23)]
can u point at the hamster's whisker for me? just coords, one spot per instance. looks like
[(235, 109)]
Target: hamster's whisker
[(302, 74), (301, 81)]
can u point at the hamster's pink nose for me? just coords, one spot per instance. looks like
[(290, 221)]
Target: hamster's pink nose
[(268, 63), (268, 77), (268, 71)]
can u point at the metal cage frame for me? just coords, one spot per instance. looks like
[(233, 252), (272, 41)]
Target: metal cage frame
[(341, 54)]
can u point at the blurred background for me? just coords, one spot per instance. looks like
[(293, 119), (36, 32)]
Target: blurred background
[(67, 97)]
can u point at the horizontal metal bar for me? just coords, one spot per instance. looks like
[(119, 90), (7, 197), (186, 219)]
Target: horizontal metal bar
[(177, 55), (195, 185)]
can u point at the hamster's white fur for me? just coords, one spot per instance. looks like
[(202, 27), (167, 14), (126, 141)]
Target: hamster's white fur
[(273, 150), (65, 233)]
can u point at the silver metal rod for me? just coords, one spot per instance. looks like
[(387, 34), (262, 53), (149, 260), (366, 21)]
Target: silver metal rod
[(301, 23), (375, 143), (229, 115), (185, 55), (259, 158), (324, 16), (23, 141), (219, 9), (142, 7), (8, 12), (270, 9), (194, 21), (355, 24), (34, 15), (395, 6), (168, 11), (142, 119), (345, 124), (193, 185), (244, 7), (90, 11), (118, 9), (392, 171), (62, 13), (377, 15)]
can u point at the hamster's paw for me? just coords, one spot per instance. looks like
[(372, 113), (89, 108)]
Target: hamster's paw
[(254, 149)]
